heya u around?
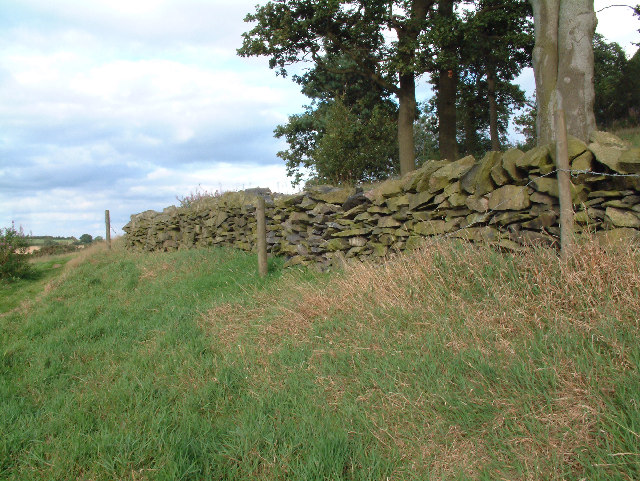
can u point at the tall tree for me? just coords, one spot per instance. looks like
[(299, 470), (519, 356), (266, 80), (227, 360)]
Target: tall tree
[(610, 64), (347, 134), (498, 41), (291, 31), (340, 143), (447, 42), (563, 65)]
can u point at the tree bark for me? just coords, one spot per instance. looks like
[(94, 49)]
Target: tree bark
[(493, 111), (563, 66), (407, 45), (576, 27), (406, 118), (447, 88)]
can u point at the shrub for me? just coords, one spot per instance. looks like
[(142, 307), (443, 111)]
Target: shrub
[(55, 250), (13, 254), (195, 197)]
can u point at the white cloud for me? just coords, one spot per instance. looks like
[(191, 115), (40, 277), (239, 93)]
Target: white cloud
[(124, 105)]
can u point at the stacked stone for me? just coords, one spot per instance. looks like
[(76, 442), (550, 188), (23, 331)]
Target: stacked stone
[(510, 199)]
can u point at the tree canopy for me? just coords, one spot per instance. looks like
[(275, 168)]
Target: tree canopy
[(362, 31), (616, 82)]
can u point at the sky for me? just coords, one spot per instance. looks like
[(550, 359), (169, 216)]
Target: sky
[(127, 105)]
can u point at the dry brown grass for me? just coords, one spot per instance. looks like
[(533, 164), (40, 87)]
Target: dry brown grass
[(473, 299)]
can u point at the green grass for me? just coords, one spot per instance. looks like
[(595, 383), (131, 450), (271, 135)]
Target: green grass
[(42, 240), (630, 134), (13, 294), (451, 363)]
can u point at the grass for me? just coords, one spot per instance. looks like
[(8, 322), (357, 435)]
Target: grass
[(13, 294), (630, 134), (42, 240), (453, 362)]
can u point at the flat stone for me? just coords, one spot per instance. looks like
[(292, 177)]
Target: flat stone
[(509, 217), (549, 185), (333, 196), (621, 236), (410, 181), (608, 155), (357, 241), (378, 209), (450, 172), (336, 245), (509, 161), (394, 203), (478, 204), (416, 201), (424, 215), (428, 168), (629, 161), (390, 188), (379, 250), (583, 161), (622, 218), (539, 198), (606, 139), (509, 197), (499, 175), (413, 242), (457, 200), (360, 231), (481, 180), (536, 157), (429, 228), (575, 147), (544, 220), (353, 212), (388, 222)]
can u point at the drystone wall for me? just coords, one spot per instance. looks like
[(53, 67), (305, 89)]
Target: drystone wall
[(510, 199)]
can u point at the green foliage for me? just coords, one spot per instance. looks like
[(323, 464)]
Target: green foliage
[(497, 44), (341, 144), (426, 134), (344, 39), (610, 64), (55, 249), (14, 262), (86, 239), (526, 124)]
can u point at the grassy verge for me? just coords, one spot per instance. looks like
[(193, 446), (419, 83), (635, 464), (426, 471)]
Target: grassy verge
[(13, 294), (454, 362)]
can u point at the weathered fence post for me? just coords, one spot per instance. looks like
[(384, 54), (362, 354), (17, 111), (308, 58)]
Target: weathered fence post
[(107, 222), (262, 237), (564, 187)]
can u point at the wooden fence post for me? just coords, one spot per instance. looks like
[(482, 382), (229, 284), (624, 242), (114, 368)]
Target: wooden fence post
[(564, 187), (262, 237), (107, 222)]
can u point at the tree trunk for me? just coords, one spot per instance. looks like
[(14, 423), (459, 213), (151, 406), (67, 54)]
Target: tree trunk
[(563, 65), (447, 88), (407, 45), (493, 111), (576, 26), (447, 85), (406, 117)]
